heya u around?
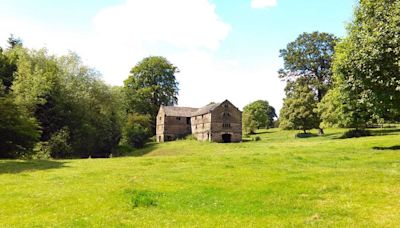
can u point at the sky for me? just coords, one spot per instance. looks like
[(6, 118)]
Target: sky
[(224, 49)]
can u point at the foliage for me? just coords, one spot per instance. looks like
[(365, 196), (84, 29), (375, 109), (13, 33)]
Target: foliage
[(18, 130), (58, 145), (152, 83), (366, 65), (256, 115), (137, 130), (310, 56), (65, 94), (299, 107), (7, 69), (331, 111)]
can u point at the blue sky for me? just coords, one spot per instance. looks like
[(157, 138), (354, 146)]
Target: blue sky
[(224, 49)]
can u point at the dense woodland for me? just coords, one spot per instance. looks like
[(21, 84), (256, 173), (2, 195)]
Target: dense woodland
[(57, 107)]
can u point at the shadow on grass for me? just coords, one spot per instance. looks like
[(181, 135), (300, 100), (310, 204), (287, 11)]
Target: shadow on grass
[(397, 147), (145, 150), (385, 131), (13, 166)]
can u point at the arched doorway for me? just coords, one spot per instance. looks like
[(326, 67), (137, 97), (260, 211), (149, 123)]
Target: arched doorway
[(226, 138)]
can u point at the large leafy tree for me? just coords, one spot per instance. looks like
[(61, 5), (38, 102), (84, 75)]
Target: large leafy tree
[(74, 108), (299, 107), (367, 67), (151, 83), (18, 130), (258, 114), (310, 56)]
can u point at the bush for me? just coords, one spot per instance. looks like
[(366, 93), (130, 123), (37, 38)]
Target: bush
[(356, 133), (257, 138), (122, 150), (58, 146), (137, 130), (41, 151)]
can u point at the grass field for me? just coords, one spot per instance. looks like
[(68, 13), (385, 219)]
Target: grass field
[(278, 181)]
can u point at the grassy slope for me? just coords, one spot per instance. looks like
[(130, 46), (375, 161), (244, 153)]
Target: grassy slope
[(279, 181)]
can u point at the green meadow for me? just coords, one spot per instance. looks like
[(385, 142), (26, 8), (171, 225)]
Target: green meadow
[(278, 181)]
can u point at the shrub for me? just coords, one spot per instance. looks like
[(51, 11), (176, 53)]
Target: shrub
[(41, 151), (58, 146), (137, 130)]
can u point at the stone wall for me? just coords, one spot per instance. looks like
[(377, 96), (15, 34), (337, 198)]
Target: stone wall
[(201, 127), (171, 127), (226, 120)]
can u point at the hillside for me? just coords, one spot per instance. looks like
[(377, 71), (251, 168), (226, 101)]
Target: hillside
[(278, 181)]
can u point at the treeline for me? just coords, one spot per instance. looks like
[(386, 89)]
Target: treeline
[(55, 106), (351, 82)]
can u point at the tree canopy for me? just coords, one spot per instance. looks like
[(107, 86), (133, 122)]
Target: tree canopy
[(310, 56), (258, 114), (299, 107), (366, 66), (152, 83)]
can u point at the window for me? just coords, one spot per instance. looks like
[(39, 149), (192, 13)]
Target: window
[(226, 125), (203, 125), (196, 126), (226, 114), (187, 120), (226, 105), (178, 118)]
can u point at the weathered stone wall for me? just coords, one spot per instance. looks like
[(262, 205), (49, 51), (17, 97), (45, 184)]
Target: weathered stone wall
[(160, 125), (226, 120), (171, 127), (223, 124), (201, 127)]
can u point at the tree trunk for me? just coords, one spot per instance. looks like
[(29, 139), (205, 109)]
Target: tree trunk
[(321, 131)]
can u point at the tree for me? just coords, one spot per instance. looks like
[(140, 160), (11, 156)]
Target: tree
[(331, 110), (7, 69), (74, 108), (258, 114), (310, 56), (18, 130), (151, 83), (366, 65), (14, 41), (299, 107), (137, 130)]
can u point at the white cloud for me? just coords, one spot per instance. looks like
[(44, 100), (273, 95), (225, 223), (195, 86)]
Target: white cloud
[(181, 23), (188, 33), (263, 3)]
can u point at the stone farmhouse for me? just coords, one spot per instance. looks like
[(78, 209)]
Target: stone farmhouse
[(216, 122)]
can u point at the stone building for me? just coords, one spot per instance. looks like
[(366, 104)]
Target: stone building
[(216, 122)]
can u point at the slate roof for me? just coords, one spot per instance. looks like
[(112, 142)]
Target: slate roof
[(179, 111), (206, 109), (189, 112)]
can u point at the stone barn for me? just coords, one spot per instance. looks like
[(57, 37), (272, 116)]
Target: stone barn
[(216, 122)]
